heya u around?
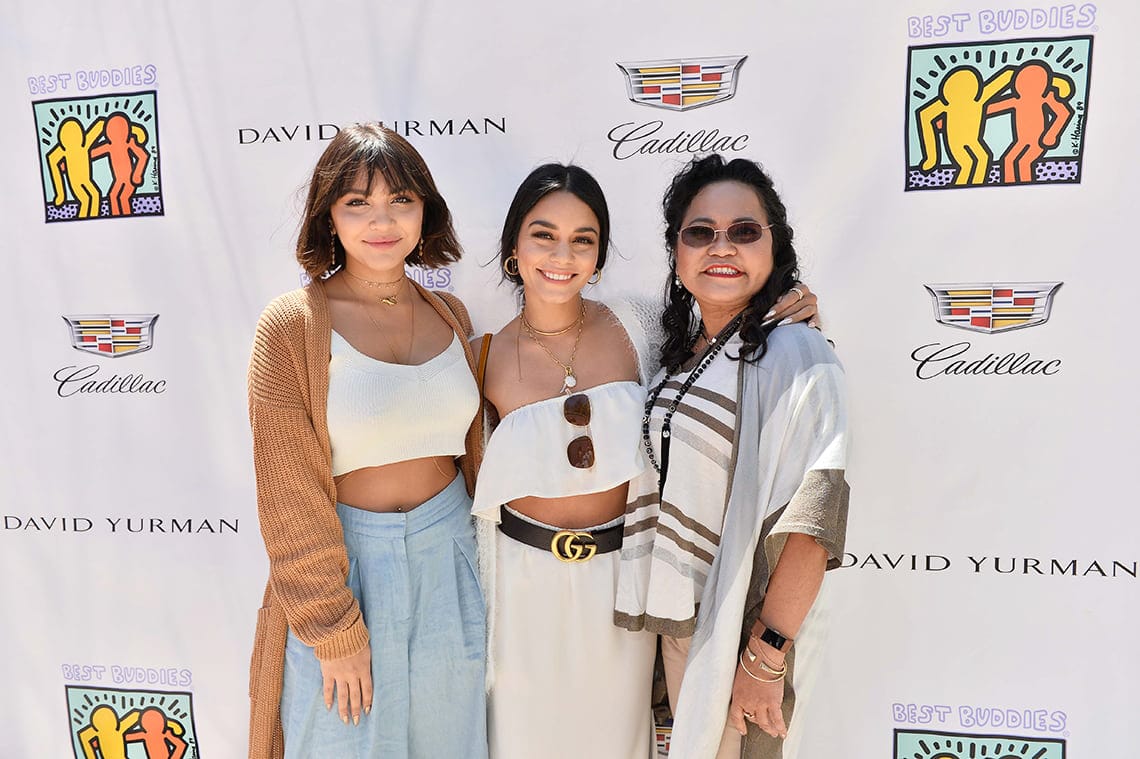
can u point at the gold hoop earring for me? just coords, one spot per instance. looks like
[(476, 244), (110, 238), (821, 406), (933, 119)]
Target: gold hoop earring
[(507, 266), (592, 281)]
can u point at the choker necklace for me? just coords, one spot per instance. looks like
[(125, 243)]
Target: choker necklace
[(387, 300), (534, 331), (384, 332), (570, 381)]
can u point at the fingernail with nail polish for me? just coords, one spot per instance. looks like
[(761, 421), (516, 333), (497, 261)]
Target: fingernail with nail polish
[(770, 314), (785, 320)]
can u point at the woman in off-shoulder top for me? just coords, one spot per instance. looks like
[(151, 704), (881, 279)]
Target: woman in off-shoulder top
[(564, 381)]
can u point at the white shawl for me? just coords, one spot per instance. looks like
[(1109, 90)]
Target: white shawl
[(791, 422)]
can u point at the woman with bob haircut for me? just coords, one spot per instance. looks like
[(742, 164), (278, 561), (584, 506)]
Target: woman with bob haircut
[(563, 382), (729, 532), (371, 638)]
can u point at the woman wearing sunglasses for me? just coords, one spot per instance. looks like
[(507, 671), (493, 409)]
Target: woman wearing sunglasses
[(728, 533), (563, 380)]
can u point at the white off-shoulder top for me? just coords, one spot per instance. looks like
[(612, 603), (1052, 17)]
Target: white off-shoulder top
[(526, 454)]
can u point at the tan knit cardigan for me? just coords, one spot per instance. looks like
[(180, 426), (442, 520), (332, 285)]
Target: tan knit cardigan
[(296, 496)]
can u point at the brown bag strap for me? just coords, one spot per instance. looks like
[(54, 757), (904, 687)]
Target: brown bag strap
[(481, 369)]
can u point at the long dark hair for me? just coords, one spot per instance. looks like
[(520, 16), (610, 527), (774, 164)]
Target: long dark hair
[(679, 320), (548, 178), (373, 149)]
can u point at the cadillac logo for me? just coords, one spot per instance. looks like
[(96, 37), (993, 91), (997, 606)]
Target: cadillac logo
[(112, 335), (993, 307), (681, 84)]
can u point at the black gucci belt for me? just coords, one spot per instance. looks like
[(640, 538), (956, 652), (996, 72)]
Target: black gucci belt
[(571, 546)]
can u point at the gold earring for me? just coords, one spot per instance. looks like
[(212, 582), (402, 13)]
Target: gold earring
[(507, 266), (592, 281)]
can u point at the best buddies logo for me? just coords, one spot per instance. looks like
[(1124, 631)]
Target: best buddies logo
[(121, 711), (929, 744), (131, 724), (996, 113), (995, 731), (1002, 20), (98, 151)]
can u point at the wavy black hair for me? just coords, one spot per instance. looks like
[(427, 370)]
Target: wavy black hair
[(679, 319), (548, 178)]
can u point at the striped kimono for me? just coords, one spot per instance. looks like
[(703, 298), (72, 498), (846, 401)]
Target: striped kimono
[(758, 452)]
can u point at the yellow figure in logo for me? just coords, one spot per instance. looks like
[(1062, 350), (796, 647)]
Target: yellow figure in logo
[(72, 155), (958, 112), (107, 733)]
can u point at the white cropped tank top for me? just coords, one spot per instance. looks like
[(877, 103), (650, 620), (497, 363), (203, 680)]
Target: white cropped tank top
[(380, 413), (526, 455)]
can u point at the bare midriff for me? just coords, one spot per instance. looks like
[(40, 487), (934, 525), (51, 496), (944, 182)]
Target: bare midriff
[(397, 487), (576, 511)]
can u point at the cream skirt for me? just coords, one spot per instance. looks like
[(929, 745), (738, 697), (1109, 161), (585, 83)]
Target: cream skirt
[(567, 682)]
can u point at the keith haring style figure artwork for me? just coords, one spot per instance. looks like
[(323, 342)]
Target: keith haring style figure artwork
[(996, 113)]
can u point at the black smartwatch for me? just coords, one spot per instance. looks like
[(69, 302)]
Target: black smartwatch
[(773, 638)]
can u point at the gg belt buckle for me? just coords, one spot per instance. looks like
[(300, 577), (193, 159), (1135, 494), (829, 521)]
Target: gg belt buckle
[(573, 547)]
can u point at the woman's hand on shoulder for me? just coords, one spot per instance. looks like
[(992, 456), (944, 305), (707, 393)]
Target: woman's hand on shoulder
[(796, 305), (351, 678)]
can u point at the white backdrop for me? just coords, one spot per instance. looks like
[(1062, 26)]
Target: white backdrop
[(990, 595)]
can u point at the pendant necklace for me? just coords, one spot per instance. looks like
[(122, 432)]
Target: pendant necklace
[(384, 332), (570, 380), (387, 300)]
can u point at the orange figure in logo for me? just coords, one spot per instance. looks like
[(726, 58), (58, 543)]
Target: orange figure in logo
[(958, 111), (124, 149), (161, 737), (72, 155), (1035, 90), (106, 733)]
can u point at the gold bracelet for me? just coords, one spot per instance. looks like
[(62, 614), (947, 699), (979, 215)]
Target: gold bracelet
[(772, 671), (754, 677), (764, 663)]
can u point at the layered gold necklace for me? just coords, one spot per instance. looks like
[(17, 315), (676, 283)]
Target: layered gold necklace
[(380, 328), (387, 300), (570, 380)]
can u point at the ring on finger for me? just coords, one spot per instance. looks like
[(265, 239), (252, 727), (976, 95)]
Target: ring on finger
[(798, 292), (750, 715)]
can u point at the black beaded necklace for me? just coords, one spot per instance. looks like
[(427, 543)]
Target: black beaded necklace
[(712, 350)]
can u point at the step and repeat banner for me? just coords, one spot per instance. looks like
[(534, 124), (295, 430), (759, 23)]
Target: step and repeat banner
[(958, 178)]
